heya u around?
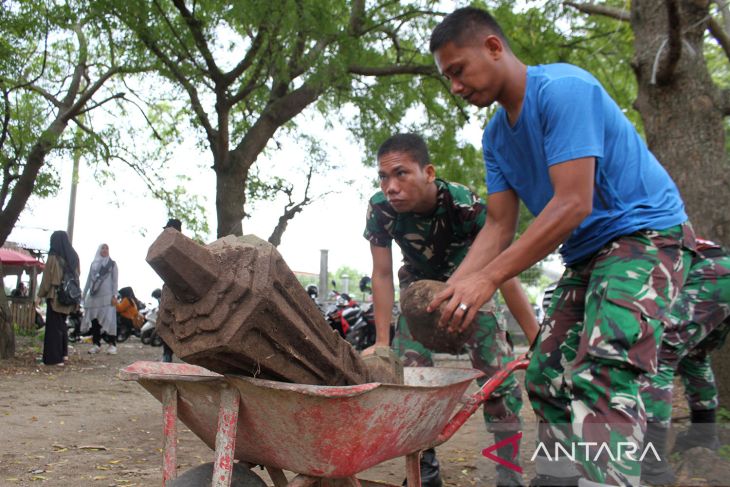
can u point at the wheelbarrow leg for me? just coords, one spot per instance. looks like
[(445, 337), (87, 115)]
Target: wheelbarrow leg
[(225, 438), (169, 434), (413, 469)]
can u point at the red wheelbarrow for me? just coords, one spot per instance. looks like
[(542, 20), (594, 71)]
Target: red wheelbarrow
[(325, 435)]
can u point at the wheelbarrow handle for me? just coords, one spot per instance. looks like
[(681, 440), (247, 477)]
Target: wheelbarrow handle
[(476, 400)]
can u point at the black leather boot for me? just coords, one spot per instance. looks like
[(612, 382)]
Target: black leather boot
[(430, 470), (656, 471), (702, 432)]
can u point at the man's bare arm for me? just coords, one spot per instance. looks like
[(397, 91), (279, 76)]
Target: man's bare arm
[(518, 304), (383, 295), (571, 203)]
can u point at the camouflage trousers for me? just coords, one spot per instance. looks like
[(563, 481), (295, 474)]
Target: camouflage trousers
[(489, 349), (700, 322), (601, 332)]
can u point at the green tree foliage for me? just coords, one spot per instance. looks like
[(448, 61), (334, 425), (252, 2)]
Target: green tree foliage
[(349, 274), (61, 67), (248, 71), (50, 76)]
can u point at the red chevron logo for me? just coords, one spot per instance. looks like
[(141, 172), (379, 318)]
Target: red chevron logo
[(513, 440)]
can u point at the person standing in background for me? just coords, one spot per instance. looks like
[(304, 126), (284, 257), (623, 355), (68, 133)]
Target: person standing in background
[(61, 256), (699, 324), (100, 299)]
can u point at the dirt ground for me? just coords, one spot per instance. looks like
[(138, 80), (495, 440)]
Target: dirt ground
[(80, 425)]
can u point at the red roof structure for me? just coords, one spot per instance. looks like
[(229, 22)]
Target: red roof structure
[(16, 258)]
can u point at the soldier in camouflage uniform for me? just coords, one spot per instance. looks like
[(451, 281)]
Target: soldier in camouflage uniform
[(561, 145), (700, 322), (434, 222)]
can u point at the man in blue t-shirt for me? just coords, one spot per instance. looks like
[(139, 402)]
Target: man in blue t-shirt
[(559, 143)]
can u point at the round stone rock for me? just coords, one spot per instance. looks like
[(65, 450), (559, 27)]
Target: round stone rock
[(424, 325)]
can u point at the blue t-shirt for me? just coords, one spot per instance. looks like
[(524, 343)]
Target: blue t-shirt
[(566, 114)]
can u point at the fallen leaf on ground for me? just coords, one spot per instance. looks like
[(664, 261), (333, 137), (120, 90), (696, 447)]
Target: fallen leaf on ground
[(92, 447)]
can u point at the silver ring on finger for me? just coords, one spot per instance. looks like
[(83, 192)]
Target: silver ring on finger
[(463, 307)]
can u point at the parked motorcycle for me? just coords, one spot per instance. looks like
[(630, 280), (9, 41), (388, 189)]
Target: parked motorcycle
[(125, 328), (361, 334), (148, 332), (354, 324)]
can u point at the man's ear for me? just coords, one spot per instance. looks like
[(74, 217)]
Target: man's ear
[(430, 173), (494, 45)]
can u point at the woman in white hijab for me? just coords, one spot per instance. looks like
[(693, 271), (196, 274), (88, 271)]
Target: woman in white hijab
[(100, 298)]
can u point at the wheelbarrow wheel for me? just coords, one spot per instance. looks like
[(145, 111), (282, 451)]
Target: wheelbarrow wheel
[(202, 475)]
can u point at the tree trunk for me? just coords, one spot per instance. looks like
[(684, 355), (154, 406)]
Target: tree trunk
[(231, 180), (683, 118), (7, 335), (683, 121)]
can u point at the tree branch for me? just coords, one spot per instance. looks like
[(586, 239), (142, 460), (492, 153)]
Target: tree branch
[(43, 63), (247, 60), (357, 12), (8, 179), (392, 70), (98, 104), (592, 9), (404, 16), (309, 58), (299, 46), (187, 53), (720, 35), (99, 139), (668, 63), (86, 95), (290, 210), (80, 69), (195, 29), (195, 102), (48, 96), (276, 114), (243, 92), (6, 121), (155, 133)]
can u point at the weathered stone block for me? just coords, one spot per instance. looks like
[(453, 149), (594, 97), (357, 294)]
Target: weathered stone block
[(234, 306), (424, 325)]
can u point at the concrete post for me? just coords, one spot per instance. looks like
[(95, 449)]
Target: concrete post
[(323, 286)]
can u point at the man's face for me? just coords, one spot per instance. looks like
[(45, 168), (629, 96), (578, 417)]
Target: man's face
[(472, 70), (104, 251), (405, 183)]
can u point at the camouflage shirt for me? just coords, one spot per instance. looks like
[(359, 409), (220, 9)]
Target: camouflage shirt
[(432, 245)]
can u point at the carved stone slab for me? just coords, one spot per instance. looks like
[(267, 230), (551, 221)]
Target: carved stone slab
[(234, 306)]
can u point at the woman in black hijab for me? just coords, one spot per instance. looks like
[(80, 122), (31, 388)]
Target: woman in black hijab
[(61, 256)]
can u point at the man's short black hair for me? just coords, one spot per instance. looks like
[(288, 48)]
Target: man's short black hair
[(463, 24), (411, 144)]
